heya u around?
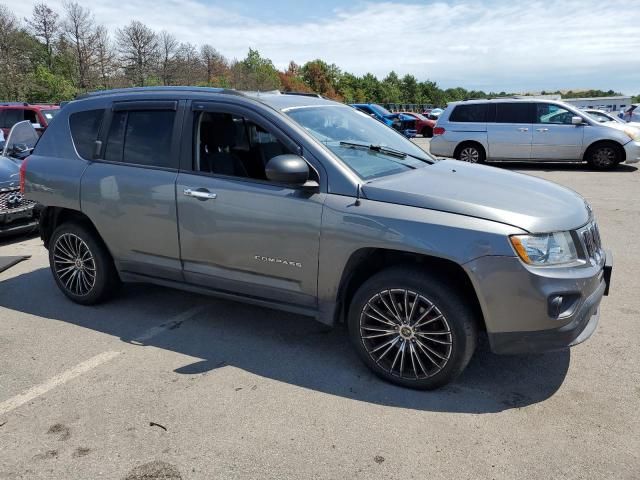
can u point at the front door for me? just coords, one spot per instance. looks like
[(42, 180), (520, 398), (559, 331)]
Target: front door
[(554, 136), (240, 232)]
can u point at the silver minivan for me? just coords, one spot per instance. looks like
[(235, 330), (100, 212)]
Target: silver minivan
[(531, 130)]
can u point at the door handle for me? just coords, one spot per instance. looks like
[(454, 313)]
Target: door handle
[(542, 129), (523, 129), (200, 194)]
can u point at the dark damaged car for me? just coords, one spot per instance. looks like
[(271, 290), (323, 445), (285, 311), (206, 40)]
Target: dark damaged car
[(403, 123)]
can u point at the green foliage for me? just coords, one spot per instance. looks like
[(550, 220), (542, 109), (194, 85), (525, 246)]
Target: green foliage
[(258, 72), (47, 87)]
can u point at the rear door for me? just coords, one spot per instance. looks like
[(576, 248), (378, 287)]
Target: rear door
[(554, 136), (509, 130), (129, 190)]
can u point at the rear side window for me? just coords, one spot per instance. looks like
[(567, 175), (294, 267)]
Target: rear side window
[(142, 138), (469, 113), (515, 112), (11, 117), (85, 127)]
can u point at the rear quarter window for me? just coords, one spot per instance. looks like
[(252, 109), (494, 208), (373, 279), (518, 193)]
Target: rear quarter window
[(85, 127), (469, 113)]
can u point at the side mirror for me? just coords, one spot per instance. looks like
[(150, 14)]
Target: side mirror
[(288, 169), (577, 120)]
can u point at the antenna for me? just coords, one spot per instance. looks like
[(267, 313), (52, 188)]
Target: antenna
[(358, 187)]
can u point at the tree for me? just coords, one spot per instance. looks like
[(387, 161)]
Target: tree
[(390, 89), (105, 57), (44, 24), (255, 73), (292, 80), (139, 51), (168, 46), (217, 67), (80, 30), (321, 77), (410, 90)]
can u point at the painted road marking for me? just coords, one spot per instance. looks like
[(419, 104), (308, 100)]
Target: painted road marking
[(93, 362)]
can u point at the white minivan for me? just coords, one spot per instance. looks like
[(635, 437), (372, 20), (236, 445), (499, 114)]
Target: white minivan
[(531, 130)]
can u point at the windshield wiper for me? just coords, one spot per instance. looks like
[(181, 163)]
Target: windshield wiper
[(375, 148), (386, 150)]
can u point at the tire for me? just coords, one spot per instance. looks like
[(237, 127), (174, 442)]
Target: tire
[(430, 360), (81, 264), (427, 132), (604, 156), (470, 152)]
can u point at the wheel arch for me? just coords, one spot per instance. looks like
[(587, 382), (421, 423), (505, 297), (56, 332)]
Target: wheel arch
[(597, 143), (52, 217), (466, 143), (366, 262)]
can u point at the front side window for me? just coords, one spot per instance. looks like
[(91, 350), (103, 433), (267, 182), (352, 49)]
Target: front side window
[(549, 113), (233, 145), (513, 112), (350, 134), (142, 138), (85, 127)]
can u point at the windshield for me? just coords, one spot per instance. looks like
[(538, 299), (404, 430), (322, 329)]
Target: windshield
[(381, 110), (333, 124), (49, 114), (602, 117)]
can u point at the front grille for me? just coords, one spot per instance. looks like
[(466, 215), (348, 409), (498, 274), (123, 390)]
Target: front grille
[(592, 244), (11, 200)]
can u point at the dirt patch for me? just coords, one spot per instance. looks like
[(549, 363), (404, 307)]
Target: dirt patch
[(81, 452), (61, 430), (378, 459), (49, 454), (155, 470)]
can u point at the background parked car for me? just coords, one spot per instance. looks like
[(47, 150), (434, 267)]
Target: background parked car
[(632, 114), (424, 125), (531, 130), (405, 124), (17, 214), (39, 115), (604, 117)]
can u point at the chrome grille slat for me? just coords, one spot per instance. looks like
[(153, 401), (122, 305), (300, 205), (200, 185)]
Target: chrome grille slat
[(591, 242), (6, 205)]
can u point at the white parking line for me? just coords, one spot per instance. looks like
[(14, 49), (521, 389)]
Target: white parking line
[(53, 382), (34, 392)]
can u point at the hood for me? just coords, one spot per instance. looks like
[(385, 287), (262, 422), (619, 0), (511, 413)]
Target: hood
[(526, 202), (9, 173)]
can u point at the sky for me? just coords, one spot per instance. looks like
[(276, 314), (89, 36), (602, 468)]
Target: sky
[(492, 45)]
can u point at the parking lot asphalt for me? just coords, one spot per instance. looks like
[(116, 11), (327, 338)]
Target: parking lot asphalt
[(164, 384)]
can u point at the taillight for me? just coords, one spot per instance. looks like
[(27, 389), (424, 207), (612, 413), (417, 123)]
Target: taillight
[(23, 171), (438, 131)]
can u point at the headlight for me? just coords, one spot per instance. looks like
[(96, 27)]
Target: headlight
[(546, 249), (633, 133)]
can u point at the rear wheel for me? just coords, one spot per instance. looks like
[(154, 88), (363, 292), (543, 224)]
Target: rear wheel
[(604, 156), (81, 265), (470, 152), (411, 328)]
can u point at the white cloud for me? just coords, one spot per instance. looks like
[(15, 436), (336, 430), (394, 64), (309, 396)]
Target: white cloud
[(517, 45)]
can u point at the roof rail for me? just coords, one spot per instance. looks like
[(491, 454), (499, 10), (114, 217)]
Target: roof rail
[(303, 94), (100, 93), (12, 104)]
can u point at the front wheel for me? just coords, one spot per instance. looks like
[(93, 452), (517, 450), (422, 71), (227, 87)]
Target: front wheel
[(411, 328), (81, 265)]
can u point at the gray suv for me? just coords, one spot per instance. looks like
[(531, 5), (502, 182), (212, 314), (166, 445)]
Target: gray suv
[(307, 205), (531, 130)]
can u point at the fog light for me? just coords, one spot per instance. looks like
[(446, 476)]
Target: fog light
[(562, 306)]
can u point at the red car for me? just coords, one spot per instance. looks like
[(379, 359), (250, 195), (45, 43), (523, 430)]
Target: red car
[(424, 125), (13, 112)]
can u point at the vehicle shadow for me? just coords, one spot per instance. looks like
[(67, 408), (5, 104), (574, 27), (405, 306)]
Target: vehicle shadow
[(560, 167), (285, 347)]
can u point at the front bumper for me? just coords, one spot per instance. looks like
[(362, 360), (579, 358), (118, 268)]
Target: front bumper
[(632, 150), (16, 216), (515, 301)]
